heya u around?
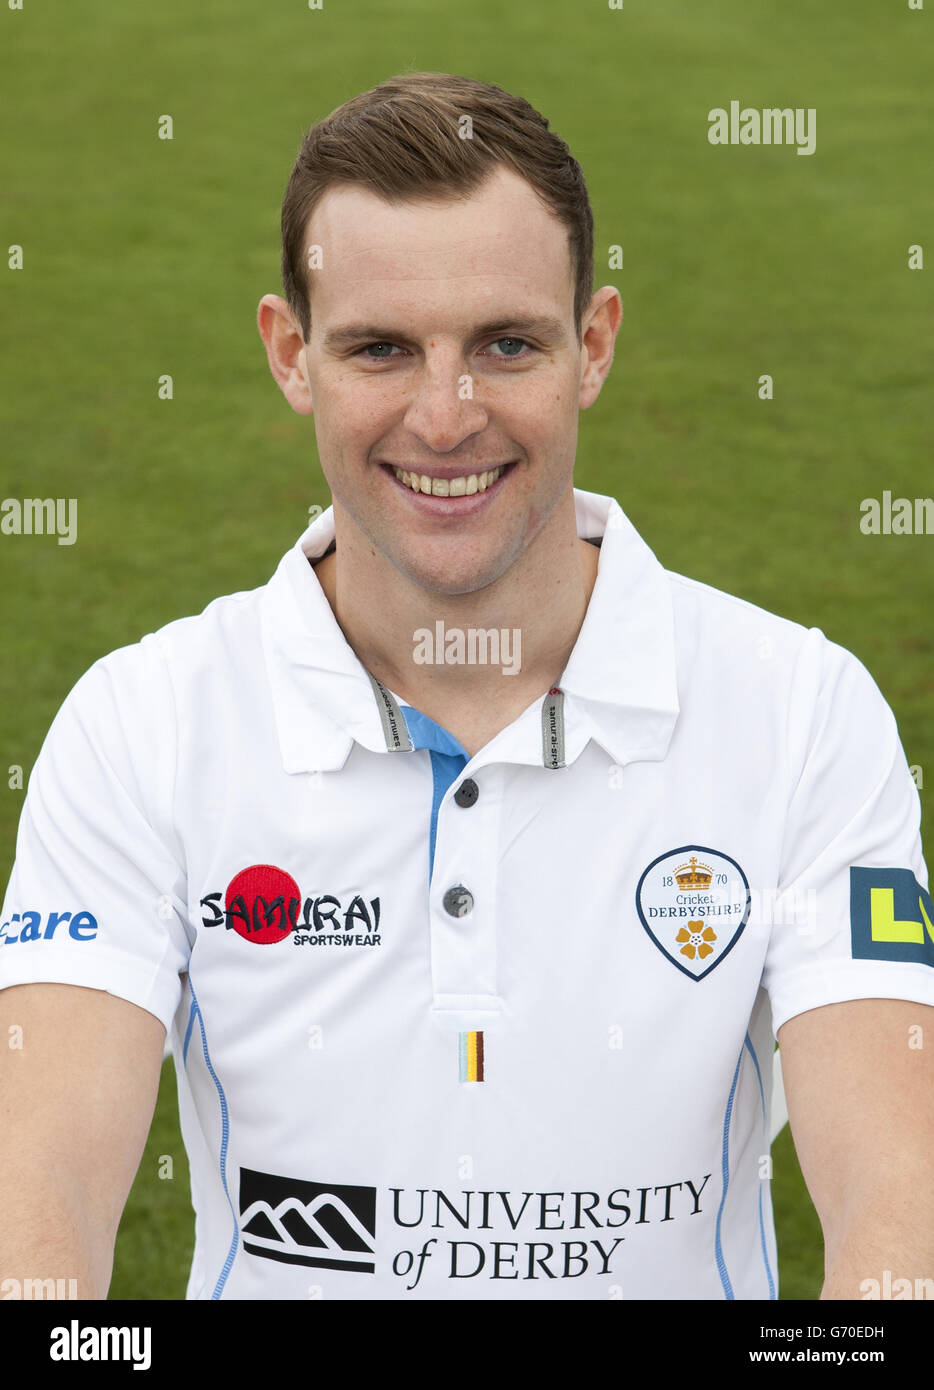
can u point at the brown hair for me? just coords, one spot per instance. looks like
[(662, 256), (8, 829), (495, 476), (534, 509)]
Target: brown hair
[(401, 140)]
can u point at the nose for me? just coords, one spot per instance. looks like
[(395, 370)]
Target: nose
[(443, 410)]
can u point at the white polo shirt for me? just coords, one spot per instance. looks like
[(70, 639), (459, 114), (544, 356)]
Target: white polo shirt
[(477, 1028)]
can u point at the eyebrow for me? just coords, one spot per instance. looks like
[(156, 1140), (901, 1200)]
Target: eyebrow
[(550, 330)]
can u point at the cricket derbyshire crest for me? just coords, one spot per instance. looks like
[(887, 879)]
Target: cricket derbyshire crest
[(694, 904)]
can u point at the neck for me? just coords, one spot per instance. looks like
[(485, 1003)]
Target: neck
[(535, 609)]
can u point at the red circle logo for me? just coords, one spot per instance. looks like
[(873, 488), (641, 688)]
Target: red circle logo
[(262, 903)]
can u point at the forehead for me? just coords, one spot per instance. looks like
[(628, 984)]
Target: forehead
[(501, 240)]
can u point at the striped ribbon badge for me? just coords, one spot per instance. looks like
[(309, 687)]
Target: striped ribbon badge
[(470, 1046)]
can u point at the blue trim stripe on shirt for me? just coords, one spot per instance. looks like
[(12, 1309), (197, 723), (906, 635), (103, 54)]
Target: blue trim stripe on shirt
[(725, 1169), (225, 1136), (762, 1242), (448, 760)]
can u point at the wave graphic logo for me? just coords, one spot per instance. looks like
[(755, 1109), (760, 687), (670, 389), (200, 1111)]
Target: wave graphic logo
[(325, 1225)]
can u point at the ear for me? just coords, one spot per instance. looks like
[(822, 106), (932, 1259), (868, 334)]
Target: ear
[(599, 329), (285, 350)]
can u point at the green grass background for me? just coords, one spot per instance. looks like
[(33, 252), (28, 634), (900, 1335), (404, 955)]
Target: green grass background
[(145, 257)]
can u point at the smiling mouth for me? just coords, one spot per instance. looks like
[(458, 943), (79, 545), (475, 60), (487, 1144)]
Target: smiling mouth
[(463, 485)]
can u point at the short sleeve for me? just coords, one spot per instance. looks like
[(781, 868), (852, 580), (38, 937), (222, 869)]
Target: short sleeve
[(853, 916), (97, 894)]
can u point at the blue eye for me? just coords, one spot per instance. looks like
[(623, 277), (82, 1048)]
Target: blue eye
[(376, 345), (520, 341)]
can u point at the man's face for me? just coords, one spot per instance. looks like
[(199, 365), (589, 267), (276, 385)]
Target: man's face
[(443, 344)]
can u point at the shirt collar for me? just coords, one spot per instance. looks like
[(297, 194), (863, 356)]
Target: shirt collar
[(620, 683)]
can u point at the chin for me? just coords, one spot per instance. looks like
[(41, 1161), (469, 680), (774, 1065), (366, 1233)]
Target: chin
[(445, 581)]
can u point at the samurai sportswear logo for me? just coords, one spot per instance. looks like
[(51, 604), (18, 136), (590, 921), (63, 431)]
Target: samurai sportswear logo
[(333, 1226), (694, 904), (262, 904)]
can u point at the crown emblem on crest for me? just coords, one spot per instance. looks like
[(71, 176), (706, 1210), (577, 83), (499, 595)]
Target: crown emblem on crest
[(693, 875)]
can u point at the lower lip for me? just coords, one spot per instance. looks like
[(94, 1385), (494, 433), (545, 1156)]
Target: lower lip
[(466, 505)]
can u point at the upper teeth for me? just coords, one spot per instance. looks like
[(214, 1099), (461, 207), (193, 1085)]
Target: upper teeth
[(448, 487)]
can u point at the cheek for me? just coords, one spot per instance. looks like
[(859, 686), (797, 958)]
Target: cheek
[(356, 415), (344, 419)]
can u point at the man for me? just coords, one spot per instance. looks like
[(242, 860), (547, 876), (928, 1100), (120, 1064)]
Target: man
[(471, 950)]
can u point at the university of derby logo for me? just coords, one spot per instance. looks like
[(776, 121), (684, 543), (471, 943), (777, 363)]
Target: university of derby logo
[(326, 1226), (694, 903)]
